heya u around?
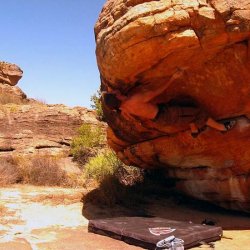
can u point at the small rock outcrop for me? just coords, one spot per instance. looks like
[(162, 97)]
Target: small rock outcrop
[(178, 56), (10, 73), (29, 127)]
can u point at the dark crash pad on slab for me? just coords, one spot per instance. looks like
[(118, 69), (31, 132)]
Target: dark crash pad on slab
[(135, 231)]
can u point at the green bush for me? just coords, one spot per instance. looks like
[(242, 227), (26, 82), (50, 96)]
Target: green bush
[(101, 166), (106, 164), (86, 143), (97, 105)]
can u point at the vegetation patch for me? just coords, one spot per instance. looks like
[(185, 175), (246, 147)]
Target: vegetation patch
[(107, 164), (118, 183), (97, 105), (59, 198), (102, 165), (40, 170), (10, 99), (111, 192), (9, 172), (45, 170), (88, 141)]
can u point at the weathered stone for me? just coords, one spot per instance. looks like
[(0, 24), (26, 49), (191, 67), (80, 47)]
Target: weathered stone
[(10, 73), (12, 94), (45, 129), (29, 127), (198, 53)]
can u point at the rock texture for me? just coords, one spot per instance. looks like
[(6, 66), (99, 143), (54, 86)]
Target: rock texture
[(10, 73), (29, 127), (11, 94), (141, 44), (37, 128)]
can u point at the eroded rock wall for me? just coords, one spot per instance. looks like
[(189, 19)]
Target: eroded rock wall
[(31, 128), (40, 129), (141, 45)]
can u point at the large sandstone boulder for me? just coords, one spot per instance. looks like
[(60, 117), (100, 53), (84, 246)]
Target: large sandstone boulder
[(198, 51)]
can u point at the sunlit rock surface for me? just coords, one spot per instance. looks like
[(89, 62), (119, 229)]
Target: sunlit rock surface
[(141, 44), (29, 127), (10, 73)]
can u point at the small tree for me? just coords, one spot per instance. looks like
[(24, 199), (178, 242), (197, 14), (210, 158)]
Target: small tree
[(97, 105)]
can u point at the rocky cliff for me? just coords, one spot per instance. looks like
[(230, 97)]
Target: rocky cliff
[(181, 72), (39, 128), (29, 127)]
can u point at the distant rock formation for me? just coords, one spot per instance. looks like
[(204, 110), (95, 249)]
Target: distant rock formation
[(10, 73), (29, 127), (165, 60), (38, 128)]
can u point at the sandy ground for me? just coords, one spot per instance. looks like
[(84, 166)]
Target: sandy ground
[(35, 220), (54, 218)]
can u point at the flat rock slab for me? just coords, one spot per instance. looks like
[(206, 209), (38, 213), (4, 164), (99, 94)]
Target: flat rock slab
[(136, 231)]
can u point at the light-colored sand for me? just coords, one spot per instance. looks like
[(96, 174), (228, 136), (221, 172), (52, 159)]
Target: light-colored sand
[(43, 225), (34, 220)]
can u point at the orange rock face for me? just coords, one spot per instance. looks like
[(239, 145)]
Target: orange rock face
[(174, 62)]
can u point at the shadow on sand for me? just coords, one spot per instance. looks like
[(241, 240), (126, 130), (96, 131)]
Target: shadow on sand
[(155, 198)]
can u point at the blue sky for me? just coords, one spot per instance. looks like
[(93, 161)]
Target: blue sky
[(53, 42)]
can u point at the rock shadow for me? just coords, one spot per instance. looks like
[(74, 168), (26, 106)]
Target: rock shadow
[(156, 197)]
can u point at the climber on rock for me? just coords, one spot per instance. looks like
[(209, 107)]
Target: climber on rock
[(140, 104)]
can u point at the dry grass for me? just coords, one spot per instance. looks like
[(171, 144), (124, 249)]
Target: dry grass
[(39, 170), (59, 199), (9, 173), (45, 171), (8, 98), (41, 101)]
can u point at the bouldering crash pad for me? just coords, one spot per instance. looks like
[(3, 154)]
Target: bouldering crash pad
[(146, 232)]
